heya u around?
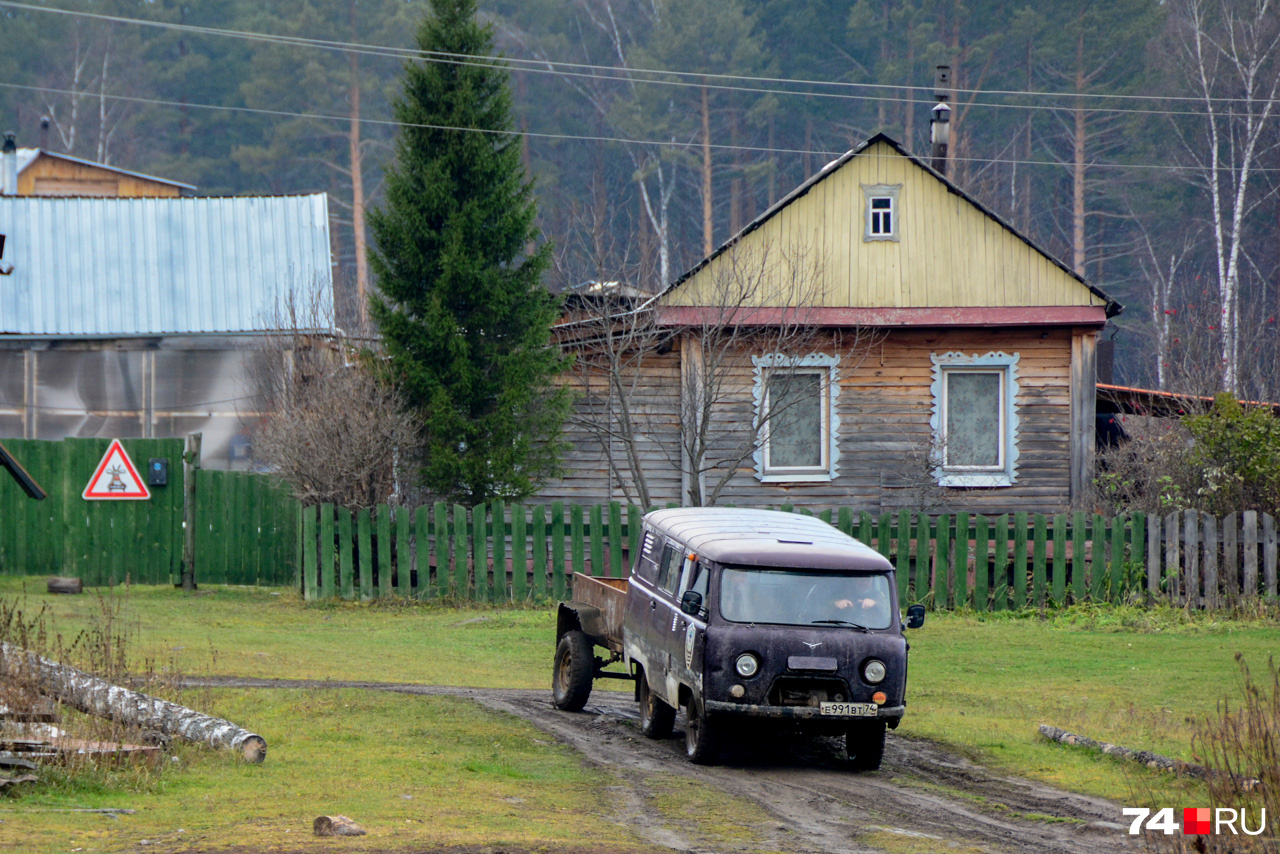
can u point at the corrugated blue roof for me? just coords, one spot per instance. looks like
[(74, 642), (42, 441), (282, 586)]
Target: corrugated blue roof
[(120, 266)]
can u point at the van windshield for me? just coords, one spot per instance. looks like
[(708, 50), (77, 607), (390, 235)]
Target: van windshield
[(799, 598)]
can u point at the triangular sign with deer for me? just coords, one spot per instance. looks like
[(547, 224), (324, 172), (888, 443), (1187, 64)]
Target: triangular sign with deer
[(115, 478)]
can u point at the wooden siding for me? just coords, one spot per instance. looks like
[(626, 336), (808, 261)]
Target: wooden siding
[(948, 253), (884, 408), (50, 176)]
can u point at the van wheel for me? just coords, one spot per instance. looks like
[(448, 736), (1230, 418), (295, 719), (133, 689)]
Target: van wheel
[(699, 735), (864, 744), (656, 717), (572, 672)]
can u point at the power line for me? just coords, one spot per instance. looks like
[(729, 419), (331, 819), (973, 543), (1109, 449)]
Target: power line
[(576, 137), (695, 79)]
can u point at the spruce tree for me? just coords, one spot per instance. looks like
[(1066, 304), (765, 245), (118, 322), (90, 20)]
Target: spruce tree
[(463, 312)]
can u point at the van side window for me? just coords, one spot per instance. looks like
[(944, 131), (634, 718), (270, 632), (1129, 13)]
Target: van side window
[(669, 570), (647, 563)]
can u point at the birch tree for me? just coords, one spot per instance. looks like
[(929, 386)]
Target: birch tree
[(1229, 51)]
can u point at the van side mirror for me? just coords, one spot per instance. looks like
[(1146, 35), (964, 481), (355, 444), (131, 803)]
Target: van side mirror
[(915, 616), (691, 602)]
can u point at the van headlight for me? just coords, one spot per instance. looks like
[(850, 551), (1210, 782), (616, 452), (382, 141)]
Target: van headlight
[(747, 665), (873, 671)]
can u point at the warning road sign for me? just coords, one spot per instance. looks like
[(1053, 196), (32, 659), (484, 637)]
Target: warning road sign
[(115, 478)]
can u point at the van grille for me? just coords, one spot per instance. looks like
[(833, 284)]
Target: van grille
[(807, 691)]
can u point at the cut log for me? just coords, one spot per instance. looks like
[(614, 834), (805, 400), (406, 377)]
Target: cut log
[(98, 697), (336, 825), (62, 584)]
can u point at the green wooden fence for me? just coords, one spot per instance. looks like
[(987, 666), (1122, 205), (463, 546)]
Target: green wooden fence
[(246, 525), (961, 560)]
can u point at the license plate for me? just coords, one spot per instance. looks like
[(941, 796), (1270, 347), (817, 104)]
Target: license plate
[(849, 710)]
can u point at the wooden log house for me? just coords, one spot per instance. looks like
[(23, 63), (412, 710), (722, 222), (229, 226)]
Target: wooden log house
[(971, 380)]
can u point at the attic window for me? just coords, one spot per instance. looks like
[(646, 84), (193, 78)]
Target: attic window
[(882, 213)]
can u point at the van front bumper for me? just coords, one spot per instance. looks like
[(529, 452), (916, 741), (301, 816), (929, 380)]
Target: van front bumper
[(798, 713)]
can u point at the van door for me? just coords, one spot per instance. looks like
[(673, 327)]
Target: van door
[(689, 630), (664, 616)]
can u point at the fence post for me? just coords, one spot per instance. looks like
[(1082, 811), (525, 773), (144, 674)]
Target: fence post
[(1038, 560), (960, 561), (598, 567), (1210, 524), (981, 566), (326, 551), (1060, 560), (924, 553), (1020, 560), (615, 539), (1079, 574), (441, 546), (1117, 558), (480, 554), (345, 544), (498, 530), (1000, 578), (1153, 558), (384, 551), (1269, 554), (1191, 551), (902, 558), (942, 563), (1172, 561), (557, 550), (422, 550), (364, 546), (538, 531), (1231, 559), (190, 465), (1249, 542), (309, 553), (519, 552)]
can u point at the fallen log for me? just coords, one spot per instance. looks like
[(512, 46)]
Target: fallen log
[(1146, 757), (100, 698), (62, 584)]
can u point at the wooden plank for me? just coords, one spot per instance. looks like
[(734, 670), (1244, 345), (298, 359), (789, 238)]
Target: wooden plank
[(1059, 580), (883, 528), (577, 546), (519, 555), (1191, 559), (844, 520), (1019, 577), (309, 555), (1000, 579), (960, 561), (1079, 574), (538, 529), (902, 554), (483, 586), (404, 554), (442, 584), (865, 524), (422, 552), (1249, 547), (596, 534), (923, 556), (1172, 558), (460, 583), (1269, 556), (1116, 560), (615, 539), (557, 550), (385, 568), (346, 546), (1212, 589), (1153, 558), (981, 564), (633, 536), (1098, 560), (498, 531), (364, 552), (1137, 551), (326, 551), (1230, 574), (942, 564), (1039, 559)]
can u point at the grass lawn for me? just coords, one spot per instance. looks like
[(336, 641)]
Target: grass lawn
[(979, 683)]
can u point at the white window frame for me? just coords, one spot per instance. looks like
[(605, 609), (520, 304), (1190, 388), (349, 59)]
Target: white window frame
[(870, 193), (1005, 472), (827, 367)]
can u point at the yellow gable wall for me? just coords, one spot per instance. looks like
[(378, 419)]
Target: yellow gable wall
[(54, 177), (949, 253)]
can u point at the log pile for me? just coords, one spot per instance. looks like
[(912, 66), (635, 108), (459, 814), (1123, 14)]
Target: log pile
[(100, 698)]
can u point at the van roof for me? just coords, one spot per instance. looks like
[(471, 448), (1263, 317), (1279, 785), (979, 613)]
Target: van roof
[(765, 538)]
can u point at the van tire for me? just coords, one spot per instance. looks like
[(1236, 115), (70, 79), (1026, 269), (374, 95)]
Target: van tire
[(656, 718), (700, 742), (572, 672), (864, 745)]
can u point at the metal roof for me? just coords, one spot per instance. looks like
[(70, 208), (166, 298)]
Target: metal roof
[(765, 538), (118, 267), (27, 156)]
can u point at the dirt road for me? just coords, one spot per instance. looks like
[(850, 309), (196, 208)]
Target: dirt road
[(923, 799)]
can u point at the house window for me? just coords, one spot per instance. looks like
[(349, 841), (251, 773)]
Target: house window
[(795, 417), (975, 419), (881, 211)]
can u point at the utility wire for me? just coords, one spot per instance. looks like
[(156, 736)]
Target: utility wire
[(695, 79), (581, 137)]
